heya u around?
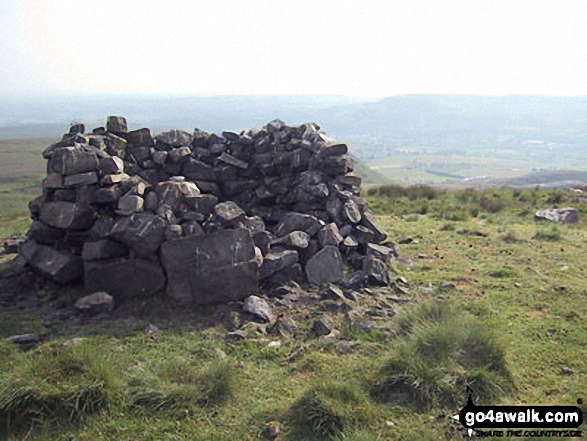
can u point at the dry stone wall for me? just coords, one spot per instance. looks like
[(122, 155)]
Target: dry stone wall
[(203, 217)]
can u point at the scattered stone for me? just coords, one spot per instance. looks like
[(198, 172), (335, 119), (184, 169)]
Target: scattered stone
[(565, 215), (284, 327), (25, 340), (272, 430), (259, 308), (332, 292), (99, 302), (321, 327)]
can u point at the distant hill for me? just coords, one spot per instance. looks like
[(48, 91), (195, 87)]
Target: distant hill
[(409, 138)]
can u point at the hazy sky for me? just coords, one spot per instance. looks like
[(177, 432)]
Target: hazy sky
[(367, 48)]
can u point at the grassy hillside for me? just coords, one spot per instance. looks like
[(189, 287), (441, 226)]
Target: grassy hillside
[(476, 271)]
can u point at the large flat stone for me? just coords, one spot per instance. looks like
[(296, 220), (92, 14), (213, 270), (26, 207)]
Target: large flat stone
[(141, 232), (73, 160), (211, 268), (59, 265), (325, 267), (124, 278), (67, 215)]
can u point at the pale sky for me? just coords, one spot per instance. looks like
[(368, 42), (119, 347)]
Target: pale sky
[(366, 48)]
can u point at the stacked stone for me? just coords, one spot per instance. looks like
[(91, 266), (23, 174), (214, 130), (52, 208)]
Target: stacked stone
[(205, 217)]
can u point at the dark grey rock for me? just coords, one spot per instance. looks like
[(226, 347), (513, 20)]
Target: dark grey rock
[(203, 203), (103, 249), (254, 224), (124, 278), (370, 221), (321, 327), (58, 265), (351, 212), (73, 160), (298, 222), (259, 308), (276, 261), (229, 212), (25, 340), (191, 228), (231, 160), (175, 193), (379, 251), (198, 171), (173, 231), (67, 215), (96, 303), (332, 292), (211, 268), (116, 124), (176, 138), (129, 204), (142, 232), (325, 267), (363, 235), (112, 165), (115, 179), (329, 235), (141, 137), (377, 271), (296, 239), (107, 195), (284, 326), (39, 232), (53, 181)]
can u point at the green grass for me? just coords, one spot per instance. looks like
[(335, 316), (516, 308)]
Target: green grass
[(517, 291)]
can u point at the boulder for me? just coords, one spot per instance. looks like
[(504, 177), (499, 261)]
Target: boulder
[(229, 213), (296, 239), (329, 235), (67, 215), (58, 265), (116, 124), (175, 194), (141, 137), (211, 268), (142, 232), (325, 267), (298, 222), (73, 160), (276, 261), (103, 249), (124, 278), (370, 221), (111, 165)]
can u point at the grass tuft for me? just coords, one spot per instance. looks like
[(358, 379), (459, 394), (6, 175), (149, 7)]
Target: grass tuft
[(54, 383), (442, 350), (327, 409)]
